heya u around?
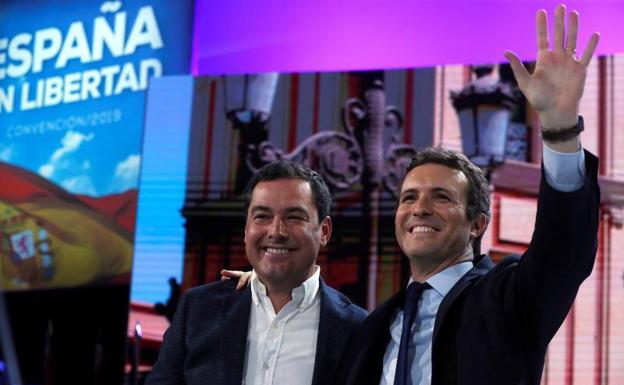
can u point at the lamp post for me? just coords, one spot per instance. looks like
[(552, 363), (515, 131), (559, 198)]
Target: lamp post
[(357, 155), (248, 101), (484, 109)]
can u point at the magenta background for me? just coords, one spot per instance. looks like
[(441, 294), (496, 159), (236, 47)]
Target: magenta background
[(240, 36)]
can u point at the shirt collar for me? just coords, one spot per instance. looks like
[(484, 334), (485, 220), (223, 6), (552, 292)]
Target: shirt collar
[(302, 295), (444, 281)]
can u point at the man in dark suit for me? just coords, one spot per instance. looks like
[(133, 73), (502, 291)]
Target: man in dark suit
[(463, 320), (287, 326)]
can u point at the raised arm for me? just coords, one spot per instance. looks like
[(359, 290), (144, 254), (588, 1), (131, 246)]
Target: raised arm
[(563, 247)]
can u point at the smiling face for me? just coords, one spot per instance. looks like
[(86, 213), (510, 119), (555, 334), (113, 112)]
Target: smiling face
[(282, 233), (431, 224)]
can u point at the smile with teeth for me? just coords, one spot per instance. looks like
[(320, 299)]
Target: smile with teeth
[(274, 250), (422, 229)]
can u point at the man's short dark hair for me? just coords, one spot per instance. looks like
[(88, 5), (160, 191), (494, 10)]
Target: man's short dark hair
[(287, 169), (478, 186)]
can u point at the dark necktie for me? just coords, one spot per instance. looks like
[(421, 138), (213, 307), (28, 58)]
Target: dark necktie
[(403, 368)]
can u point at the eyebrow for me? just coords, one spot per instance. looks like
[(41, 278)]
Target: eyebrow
[(435, 189), (288, 210), (259, 208)]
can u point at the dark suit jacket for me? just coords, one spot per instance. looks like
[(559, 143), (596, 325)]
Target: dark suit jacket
[(205, 344), (495, 324)]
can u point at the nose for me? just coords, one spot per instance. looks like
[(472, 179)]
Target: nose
[(278, 229), (422, 207)]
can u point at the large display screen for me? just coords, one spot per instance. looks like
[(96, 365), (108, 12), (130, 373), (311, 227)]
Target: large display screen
[(191, 214), (72, 95)]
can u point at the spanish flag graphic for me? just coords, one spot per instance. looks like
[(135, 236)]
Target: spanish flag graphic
[(51, 238)]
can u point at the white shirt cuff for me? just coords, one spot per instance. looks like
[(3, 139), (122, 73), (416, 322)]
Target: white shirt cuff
[(564, 171)]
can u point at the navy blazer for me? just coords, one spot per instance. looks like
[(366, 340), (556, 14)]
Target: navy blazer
[(495, 324), (206, 341)]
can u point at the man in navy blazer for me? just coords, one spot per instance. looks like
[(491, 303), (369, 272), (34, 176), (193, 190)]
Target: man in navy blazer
[(287, 326), (468, 321)]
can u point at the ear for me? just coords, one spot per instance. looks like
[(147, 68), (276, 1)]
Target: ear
[(479, 224), (326, 230)]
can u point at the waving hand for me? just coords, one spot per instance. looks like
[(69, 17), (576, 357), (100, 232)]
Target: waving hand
[(556, 86)]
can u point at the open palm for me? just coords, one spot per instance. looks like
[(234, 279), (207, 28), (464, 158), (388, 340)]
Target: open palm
[(556, 86)]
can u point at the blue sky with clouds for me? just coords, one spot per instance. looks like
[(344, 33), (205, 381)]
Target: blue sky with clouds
[(70, 166), (91, 146), (94, 161)]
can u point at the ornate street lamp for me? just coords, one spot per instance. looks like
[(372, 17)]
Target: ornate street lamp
[(249, 98), (248, 101), (357, 155), (484, 108)]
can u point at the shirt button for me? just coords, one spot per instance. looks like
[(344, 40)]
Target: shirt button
[(265, 365)]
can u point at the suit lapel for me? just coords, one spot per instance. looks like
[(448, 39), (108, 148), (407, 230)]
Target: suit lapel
[(483, 265), (334, 331), (237, 308), (373, 343)]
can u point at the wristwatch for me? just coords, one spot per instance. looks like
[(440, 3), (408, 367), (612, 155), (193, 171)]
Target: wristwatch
[(555, 136)]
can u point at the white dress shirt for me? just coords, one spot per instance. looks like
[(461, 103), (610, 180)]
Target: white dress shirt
[(281, 348), (564, 172)]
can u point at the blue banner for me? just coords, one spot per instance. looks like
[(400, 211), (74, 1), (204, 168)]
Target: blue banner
[(73, 76)]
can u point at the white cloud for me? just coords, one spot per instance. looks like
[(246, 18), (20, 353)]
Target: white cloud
[(46, 170), (69, 172), (70, 143), (127, 173), (79, 185), (6, 153)]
